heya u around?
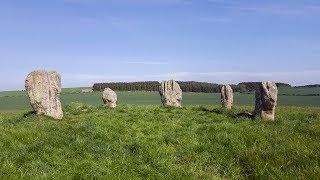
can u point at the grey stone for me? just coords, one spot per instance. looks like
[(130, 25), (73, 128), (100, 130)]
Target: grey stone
[(44, 89), (109, 98), (266, 100), (227, 96), (87, 91), (171, 94)]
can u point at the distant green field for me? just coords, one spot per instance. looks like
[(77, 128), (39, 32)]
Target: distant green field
[(299, 91), (23, 93), (18, 101)]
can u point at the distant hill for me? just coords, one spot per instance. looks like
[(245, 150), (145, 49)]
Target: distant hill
[(308, 86)]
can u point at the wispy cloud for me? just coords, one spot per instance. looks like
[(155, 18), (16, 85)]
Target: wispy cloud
[(164, 2), (145, 62), (270, 9), (313, 7), (255, 7), (120, 22), (267, 7), (215, 19), (116, 22)]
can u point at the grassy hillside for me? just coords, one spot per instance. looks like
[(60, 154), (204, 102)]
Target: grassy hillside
[(149, 141), (18, 101)]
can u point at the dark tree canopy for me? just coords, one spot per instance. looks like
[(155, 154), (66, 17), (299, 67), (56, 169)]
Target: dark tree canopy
[(251, 86), (309, 86), (186, 86)]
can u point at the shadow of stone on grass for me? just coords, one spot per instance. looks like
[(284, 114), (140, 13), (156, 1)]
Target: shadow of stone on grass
[(247, 115), (30, 113), (232, 113)]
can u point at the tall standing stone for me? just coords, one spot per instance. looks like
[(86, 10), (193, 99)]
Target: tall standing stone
[(109, 98), (226, 96), (266, 100), (44, 89), (171, 93)]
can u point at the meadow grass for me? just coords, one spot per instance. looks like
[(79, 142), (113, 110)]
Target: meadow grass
[(152, 142)]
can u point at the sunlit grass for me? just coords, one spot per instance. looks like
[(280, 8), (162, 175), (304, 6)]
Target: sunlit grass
[(149, 141)]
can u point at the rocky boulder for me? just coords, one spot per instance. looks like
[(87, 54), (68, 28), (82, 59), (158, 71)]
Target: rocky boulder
[(171, 94), (109, 98), (266, 100), (44, 89), (226, 96)]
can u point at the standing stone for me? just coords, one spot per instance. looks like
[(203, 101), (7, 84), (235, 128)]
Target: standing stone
[(226, 96), (87, 91), (109, 98), (44, 89), (171, 94), (266, 100)]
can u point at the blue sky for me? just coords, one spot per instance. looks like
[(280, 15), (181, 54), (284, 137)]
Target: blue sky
[(222, 41)]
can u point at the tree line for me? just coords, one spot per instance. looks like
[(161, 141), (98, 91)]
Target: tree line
[(251, 86), (309, 86), (128, 86), (186, 86)]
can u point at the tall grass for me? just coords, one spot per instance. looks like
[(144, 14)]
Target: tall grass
[(149, 141)]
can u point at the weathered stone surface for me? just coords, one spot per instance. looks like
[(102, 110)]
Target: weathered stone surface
[(226, 96), (266, 100), (109, 98), (87, 91), (171, 93), (44, 90)]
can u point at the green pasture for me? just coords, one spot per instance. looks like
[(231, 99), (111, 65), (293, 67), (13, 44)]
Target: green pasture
[(299, 91), (140, 139), (18, 101), (153, 142)]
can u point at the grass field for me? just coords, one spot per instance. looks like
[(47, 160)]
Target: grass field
[(299, 91), (152, 142), (18, 101), (142, 140)]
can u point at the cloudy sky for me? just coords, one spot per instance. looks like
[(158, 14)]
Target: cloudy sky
[(222, 41)]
